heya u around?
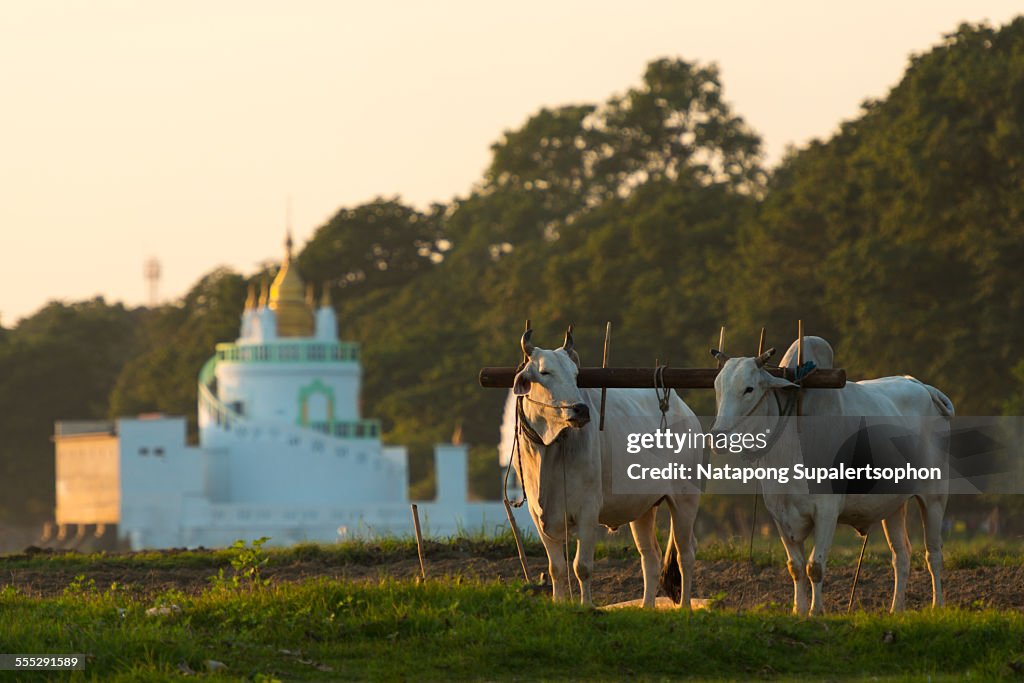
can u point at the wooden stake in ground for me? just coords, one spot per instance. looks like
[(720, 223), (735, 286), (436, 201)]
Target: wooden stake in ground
[(419, 539), (856, 574), (519, 543)]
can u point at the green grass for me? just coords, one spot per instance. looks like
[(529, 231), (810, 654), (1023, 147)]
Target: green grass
[(454, 630)]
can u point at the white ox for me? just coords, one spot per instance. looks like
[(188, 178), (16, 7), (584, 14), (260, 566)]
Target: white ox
[(565, 464), (743, 388)]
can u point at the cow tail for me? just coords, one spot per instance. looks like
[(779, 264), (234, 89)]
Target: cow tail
[(671, 579)]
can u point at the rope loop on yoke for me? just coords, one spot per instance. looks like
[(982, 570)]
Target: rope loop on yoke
[(663, 393)]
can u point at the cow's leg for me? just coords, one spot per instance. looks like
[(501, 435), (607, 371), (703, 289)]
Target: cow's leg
[(558, 569), (895, 527), (795, 562), (932, 512), (586, 539), (684, 512), (824, 531), (650, 553)]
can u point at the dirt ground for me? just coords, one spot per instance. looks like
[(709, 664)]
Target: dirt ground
[(737, 585)]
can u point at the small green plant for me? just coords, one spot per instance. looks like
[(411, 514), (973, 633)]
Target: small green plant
[(247, 562), (79, 586)]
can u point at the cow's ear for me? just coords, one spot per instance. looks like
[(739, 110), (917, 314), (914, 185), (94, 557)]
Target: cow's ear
[(778, 382), (575, 357), (521, 387)]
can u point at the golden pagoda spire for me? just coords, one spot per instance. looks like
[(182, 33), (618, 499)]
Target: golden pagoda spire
[(310, 296), (294, 315)]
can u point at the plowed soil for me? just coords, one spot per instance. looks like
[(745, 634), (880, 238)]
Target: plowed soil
[(735, 585)]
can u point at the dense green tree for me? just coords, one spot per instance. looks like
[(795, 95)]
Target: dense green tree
[(374, 246), (1014, 404), (900, 238), (57, 364), (616, 211), (180, 339)]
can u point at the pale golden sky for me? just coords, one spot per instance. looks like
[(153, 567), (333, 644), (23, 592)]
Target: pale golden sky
[(178, 129)]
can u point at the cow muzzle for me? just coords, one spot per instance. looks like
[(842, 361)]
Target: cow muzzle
[(579, 415), (719, 436)]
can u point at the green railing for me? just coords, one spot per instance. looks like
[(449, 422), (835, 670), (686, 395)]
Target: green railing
[(356, 429), (289, 352)]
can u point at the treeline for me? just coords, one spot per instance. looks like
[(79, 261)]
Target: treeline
[(900, 239)]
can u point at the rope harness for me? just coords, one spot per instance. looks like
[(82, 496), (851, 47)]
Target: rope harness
[(545, 405), (522, 428), (785, 411)]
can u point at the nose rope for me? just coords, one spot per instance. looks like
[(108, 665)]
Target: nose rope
[(758, 404), (549, 405)]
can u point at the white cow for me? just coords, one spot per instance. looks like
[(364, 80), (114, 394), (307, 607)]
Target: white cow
[(743, 388), (565, 464)]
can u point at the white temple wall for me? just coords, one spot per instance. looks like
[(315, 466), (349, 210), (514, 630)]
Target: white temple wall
[(272, 392)]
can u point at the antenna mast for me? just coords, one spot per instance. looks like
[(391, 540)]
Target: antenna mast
[(151, 271)]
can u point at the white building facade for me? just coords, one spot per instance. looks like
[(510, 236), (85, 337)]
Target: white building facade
[(284, 451)]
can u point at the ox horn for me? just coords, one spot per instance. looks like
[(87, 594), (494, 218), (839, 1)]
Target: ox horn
[(526, 343), (569, 344), (763, 358)]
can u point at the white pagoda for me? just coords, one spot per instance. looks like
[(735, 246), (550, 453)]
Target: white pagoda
[(284, 451)]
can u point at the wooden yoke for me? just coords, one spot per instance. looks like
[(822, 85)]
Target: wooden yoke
[(675, 378)]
